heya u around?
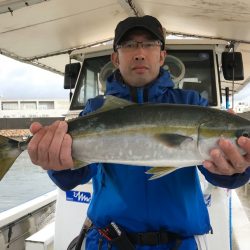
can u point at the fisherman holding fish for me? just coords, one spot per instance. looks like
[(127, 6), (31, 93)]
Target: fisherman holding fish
[(127, 210)]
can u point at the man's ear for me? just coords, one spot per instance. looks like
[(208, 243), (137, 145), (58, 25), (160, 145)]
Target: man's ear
[(115, 59), (163, 55)]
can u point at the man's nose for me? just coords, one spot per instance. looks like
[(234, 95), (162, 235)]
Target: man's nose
[(139, 57)]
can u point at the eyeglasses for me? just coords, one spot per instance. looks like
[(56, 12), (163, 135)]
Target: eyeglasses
[(132, 45)]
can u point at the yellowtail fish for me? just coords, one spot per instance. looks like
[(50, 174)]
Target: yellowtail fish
[(162, 136)]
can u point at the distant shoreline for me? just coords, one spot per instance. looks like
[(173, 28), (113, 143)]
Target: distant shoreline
[(17, 134)]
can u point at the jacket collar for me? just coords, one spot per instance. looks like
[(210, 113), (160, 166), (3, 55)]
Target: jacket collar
[(115, 86)]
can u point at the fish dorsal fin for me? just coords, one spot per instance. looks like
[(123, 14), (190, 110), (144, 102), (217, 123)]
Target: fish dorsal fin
[(113, 102)]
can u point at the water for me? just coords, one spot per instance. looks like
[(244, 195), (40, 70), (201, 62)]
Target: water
[(23, 182)]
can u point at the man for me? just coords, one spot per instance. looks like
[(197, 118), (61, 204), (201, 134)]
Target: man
[(165, 213)]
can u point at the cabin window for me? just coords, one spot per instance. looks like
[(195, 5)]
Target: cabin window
[(89, 84), (199, 72)]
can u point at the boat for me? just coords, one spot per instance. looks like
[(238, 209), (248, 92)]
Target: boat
[(64, 37)]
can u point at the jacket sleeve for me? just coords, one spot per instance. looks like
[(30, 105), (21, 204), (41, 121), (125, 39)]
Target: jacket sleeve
[(225, 181), (68, 179)]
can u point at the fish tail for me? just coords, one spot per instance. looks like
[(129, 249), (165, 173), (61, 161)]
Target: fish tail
[(9, 151)]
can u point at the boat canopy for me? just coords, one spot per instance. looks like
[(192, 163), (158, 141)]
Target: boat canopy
[(46, 32)]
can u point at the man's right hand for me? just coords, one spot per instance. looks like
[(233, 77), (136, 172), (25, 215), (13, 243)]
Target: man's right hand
[(50, 146)]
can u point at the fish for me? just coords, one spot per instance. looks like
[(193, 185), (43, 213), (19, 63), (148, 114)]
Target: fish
[(163, 137)]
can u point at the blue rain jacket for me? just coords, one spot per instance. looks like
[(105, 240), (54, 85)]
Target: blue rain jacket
[(124, 194)]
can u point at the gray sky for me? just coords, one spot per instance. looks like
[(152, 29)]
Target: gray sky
[(23, 81)]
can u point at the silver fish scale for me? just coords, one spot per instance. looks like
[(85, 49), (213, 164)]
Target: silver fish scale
[(136, 149)]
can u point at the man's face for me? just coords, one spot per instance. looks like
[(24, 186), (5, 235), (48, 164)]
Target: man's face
[(139, 66)]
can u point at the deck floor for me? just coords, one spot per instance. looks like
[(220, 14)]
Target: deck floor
[(241, 218)]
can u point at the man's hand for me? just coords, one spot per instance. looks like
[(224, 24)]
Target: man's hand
[(50, 146), (227, 160)]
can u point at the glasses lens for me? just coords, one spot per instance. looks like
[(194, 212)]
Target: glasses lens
[(131, 44)]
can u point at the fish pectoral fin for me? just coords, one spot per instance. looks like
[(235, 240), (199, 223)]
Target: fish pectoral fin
[(172, 140), (80, 164), (158, 172)]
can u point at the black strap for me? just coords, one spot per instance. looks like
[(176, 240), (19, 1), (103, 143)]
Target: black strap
[(122, 242), (133, 93), (153, 238), (80, 239), (72, 244), (145, 95), (76, 243), (126, 241)]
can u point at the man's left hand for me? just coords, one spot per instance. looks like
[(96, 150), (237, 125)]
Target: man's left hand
[(227, 160)]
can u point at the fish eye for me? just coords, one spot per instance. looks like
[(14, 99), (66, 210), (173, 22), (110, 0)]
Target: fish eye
[(245, 134), (242, 132)]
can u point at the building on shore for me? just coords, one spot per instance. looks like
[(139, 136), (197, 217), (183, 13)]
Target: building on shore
[(17, 115), (33, 108)]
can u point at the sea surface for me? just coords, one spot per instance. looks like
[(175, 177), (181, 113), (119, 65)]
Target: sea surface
[(23, 182)]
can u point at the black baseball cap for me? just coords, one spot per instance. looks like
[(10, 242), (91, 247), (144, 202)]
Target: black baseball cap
[(147, 22)]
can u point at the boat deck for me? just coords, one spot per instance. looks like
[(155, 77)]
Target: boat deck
[(241, 218)]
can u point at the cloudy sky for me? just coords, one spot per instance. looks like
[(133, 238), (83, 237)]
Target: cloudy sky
[(23, 81)]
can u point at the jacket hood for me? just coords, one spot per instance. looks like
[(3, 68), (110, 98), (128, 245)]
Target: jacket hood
[(115, 85)]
